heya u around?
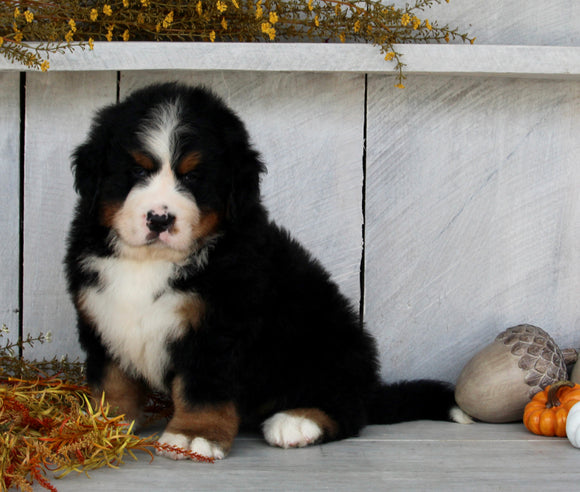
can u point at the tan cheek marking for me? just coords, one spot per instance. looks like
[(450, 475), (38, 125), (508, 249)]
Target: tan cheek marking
[(191, 311), (218, 423), (108, 213), (207, 225), (125, 395), (188, 163), (326, 423)]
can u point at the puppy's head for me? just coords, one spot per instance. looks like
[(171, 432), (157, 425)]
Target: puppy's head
[(166, 170)]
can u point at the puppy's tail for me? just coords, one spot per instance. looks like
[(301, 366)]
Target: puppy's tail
[(414, 400)]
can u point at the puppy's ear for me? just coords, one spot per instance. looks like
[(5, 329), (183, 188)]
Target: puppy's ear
[(245, 188), (90, 158), (86, 166)]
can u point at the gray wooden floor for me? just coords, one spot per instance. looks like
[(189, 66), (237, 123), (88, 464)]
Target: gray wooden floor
[(410, 456)]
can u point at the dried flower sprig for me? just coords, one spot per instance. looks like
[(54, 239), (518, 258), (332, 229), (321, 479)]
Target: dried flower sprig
[(67, 24)]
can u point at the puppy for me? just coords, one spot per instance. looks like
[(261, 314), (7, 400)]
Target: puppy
[(183, 285)]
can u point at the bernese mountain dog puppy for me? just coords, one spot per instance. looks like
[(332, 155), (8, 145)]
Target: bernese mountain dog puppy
[(183, 285)]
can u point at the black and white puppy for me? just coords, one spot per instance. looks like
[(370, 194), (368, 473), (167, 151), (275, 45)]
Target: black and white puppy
[(183, 285)]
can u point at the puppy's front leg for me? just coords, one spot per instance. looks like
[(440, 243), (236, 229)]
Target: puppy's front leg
[(123, 394), (207, 429)]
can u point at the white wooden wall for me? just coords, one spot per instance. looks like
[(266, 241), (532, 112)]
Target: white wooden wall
[(471, 211)]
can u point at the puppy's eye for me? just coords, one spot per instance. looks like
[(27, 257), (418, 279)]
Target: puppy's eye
[(189, 178), (139, 172)]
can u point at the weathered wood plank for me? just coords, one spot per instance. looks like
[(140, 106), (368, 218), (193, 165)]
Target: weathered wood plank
[(58, 111), (473, 217), (309, 130), (430, 460), (10, 193)]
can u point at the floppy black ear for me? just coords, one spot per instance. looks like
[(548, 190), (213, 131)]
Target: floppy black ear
[(90, 158), (245, 188)]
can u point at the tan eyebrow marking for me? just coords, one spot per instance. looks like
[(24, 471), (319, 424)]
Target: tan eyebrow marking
[(143, 161), (189, 163)]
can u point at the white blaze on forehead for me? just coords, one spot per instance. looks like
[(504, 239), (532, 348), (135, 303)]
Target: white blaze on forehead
[(159, 133)]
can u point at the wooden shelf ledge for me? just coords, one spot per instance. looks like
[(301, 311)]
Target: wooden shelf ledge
[(477, 60)]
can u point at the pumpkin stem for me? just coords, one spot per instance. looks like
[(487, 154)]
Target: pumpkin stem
[(553, 393)]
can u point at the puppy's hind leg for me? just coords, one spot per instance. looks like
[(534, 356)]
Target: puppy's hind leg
[(299, 427)]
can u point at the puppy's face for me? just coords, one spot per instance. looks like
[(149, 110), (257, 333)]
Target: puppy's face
[(162, 195), (165, 170)]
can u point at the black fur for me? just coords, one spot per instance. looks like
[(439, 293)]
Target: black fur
[(277, 333)]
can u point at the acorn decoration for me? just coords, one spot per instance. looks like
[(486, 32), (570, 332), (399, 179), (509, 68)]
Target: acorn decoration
[(498, 382)]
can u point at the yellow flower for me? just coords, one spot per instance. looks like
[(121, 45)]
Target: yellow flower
[(29, 16), (198, 7), (399, 86), (224, 24), (145, 3), (356, 27), (91, 43), (45, 65), (69, 37), (158, 27), (342, 37), (16, 13), (212, 36), (94, 14), (73, 25), (472, 40), (107, 10), (109, 36), (310, 6), (389, 56), (405, 19), (428, 24), (273, 18), (126, 4), (1, 40), (446, 37), (268, 29), (18, 37), (221, 6), (316, 21), (168, 20), (416, 22), (126, 35), (236, 4), (259, 10)]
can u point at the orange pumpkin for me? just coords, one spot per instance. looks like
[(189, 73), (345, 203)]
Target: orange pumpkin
[(546, 413)]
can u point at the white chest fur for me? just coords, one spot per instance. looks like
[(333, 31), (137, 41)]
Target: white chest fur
[(136, 313)]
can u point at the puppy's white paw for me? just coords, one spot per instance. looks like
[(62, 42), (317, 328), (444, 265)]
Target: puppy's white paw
[(207, 448), (290, 431), (459, 416), (174, 440), (198, 445)]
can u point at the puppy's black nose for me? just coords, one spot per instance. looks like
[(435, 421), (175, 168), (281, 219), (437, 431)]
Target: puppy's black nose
[(159, 223)]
